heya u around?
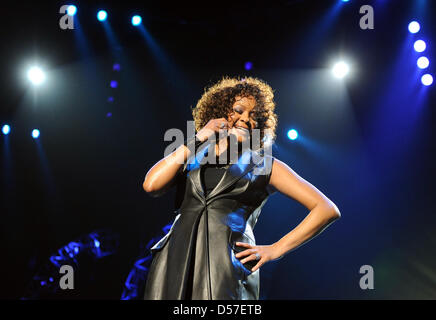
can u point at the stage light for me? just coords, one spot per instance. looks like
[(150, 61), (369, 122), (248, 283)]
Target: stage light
[(114, 84), (6, 129), (102, 15), (248, 65), (136, 20), (72, 10), (419, 46), (345, 0), (36, 75), (35, 133), (96, 243), (414, 27), (340, 69), (427, 79), (423, 63), (292, 134)]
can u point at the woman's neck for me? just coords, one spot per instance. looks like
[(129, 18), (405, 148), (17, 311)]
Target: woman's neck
[(222, 146)]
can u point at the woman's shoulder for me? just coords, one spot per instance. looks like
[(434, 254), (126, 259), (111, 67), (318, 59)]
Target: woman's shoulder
[(263, 159)]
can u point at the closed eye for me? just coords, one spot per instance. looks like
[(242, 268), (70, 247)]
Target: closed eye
[(238, 111)]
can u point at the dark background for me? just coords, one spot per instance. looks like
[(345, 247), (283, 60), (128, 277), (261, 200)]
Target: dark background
[(367, 142)]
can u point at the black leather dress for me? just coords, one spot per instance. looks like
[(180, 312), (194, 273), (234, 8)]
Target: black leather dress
[(196, 259)]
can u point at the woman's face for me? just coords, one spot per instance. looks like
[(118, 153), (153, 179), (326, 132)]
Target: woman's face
[(241, 119)]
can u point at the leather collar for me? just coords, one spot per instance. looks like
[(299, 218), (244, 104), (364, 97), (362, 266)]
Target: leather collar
[(232, 174)]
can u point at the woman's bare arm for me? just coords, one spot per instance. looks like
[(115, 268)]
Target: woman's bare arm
[(161, 176), (322, 210)]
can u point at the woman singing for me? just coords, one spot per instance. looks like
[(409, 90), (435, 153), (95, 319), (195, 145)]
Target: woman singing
[(210, 252)]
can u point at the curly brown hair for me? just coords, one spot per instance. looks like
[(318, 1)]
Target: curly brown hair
[(217, 102)]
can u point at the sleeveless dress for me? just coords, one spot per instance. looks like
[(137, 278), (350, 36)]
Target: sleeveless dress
[(217, 206)]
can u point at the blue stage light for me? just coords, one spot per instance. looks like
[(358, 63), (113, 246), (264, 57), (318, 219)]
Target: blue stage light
[(6, 129), (414, 27), (423, 62), (292, 134), (419, 46), (96, 243), (136, 20), (72, 10), (427, 79), (35, 133), (102, 15), (345, 0)]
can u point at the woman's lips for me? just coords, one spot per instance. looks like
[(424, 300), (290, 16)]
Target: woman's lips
[(245, 130)]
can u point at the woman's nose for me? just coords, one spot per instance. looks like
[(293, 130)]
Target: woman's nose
[(244, 117), (245, 120)]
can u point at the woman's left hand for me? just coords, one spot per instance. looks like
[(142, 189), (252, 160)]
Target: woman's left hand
[(264, 253)]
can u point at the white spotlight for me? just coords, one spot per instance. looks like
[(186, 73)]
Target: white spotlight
[(136, 20), (71, 10), (419, 45), (423, 63), (340, 69), (35, 133), (414, 27), (6, 129), (427, 79), (36, 75)]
